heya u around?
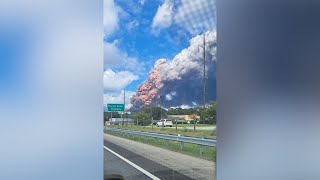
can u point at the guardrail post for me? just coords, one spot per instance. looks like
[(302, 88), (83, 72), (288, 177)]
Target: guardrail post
[(167, 142), (201, 149), (151, 119), (176, 125), (181, 145)]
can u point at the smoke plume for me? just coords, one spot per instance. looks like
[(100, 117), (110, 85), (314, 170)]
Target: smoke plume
[(179, 81)]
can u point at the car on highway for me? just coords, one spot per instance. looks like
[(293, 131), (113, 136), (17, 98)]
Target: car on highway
[(164, 123)]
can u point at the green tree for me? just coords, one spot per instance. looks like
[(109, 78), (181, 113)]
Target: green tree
[(180, 111), (198, 110), (156, 112), (211, 111), (107, 115), (143, 118)]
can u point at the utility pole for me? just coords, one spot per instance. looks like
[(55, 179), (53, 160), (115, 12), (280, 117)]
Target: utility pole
[(161, 112), (124, 106), (203, 79), (143, 122), (204, 76), (204, 71), (111, 117), (151, 118), (121, 117), (160, 108)]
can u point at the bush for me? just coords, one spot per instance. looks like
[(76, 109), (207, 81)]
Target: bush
[(185, 129), (204, 122)]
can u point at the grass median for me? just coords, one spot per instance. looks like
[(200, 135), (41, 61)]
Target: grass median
[(209, 153)]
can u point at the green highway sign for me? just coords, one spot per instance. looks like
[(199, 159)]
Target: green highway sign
[(115, 107)]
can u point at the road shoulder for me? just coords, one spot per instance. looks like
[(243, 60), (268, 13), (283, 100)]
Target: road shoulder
[(190, 166)]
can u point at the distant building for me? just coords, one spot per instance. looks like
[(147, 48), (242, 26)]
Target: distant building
[(117, 120), (184, 117)]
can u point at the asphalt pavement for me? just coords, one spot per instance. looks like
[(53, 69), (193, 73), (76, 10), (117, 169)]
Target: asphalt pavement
[(135, 167), (115, 166)]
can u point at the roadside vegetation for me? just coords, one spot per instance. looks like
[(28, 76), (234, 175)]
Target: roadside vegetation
[(209, 153), (182, 130), (142, 121), (146, 114)]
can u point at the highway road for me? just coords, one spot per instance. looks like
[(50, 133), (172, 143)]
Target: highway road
[(115, 166), (118, 160)]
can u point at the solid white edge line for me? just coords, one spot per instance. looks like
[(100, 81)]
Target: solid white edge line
[(133, 164)]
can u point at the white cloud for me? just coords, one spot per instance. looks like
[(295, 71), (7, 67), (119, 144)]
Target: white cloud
[(117, 98), (164, 16), (185, 107), (115, 81), (188, 60), (112, 55), (182, 107), (142, 2), (133, 24), (168, 97), (196, 16), (115, 58), (110, 16)]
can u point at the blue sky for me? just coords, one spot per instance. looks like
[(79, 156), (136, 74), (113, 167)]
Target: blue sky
[(14, 45), (135, 37), (139, 32)]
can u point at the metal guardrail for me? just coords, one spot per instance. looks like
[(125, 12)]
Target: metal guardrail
[(168, 137)]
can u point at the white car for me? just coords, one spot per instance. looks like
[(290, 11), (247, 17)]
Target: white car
[(165, 123)]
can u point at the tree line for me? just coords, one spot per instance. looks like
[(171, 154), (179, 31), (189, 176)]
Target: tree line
[(144, 116)]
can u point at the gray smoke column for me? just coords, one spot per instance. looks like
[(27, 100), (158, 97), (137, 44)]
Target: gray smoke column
[(179, 81)]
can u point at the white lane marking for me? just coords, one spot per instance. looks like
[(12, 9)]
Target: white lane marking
[(133, 164)]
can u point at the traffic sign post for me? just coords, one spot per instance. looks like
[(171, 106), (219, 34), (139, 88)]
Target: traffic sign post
[(115, 108)]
